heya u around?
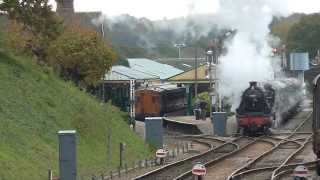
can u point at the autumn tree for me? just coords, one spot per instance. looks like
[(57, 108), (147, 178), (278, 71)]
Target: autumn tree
[(280, 26), (305, 35), (33, 24), (81, 55)]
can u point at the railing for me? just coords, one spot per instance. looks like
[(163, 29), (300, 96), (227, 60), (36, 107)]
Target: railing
[(138, 166)]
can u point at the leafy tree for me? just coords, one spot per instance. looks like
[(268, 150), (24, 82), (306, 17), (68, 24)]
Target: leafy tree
[(3, 38), (280, 26), (81, 55), (36, 25), (305, 35), (281, 30)]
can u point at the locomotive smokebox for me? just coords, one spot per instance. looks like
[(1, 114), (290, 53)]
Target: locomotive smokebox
[(253, 84)]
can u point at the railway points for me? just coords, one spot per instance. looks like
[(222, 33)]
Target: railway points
[(268, 165), (227, 155)]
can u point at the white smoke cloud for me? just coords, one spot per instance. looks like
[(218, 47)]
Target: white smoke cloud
[(248, 58)]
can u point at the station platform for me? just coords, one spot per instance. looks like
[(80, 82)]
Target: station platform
[(189, 125), (187, 120)]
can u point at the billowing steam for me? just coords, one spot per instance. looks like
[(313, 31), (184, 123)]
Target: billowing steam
[(248, 58)]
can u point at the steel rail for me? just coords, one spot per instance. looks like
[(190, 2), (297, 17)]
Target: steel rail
[(214, 161), (295, 131), (188, 161), (276, 171)]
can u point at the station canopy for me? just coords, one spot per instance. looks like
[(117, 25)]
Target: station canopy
[(123, 73), (153, 68)]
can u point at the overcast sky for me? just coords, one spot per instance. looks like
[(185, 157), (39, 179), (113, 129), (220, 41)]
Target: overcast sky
[(158, 9)]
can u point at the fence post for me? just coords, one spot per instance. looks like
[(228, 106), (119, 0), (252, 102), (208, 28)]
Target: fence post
[(187, 146), (151, 162), (183, 148), (122, 150), (50, 174), (119, 171), (133, 166), (178, 148), (140, 164), (126, 169), (146, 162), (93, 177)]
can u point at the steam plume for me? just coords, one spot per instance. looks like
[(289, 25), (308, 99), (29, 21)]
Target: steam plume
[(248, 58)]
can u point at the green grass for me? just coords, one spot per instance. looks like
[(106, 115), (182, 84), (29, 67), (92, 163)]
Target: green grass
[(35, 105)]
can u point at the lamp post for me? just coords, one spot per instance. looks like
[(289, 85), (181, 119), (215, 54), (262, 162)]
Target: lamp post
[(179, 46), (209, 56)]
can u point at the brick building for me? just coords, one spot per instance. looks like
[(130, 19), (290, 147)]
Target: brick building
[(65, 9)]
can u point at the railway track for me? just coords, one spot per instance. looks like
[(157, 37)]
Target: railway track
[(282, 166), (287, 170), (277, 150), (226, 164), (175, 170), (272, 162)]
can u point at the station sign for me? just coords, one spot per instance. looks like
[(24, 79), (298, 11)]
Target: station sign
[(301, 171), (161, 153), (199, 170)]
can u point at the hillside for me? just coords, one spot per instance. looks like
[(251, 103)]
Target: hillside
[(35, 105)]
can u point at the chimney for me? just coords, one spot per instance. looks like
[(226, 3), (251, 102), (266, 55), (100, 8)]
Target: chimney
[(253, 84), (65, 8)]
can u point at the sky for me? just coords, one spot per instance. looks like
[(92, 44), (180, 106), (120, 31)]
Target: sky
[(156, 10)]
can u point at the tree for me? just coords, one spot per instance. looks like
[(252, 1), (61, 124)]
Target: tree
[(35, 24), (305, 35), (280, 26), (81, 55)]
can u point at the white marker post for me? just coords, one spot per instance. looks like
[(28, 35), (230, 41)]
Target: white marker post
[(300, 173), (199, 171), (161, 154)]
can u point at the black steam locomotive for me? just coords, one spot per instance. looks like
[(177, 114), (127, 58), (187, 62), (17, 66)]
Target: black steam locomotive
[(255, 111), (267, 106)]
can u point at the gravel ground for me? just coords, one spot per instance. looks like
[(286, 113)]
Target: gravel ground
[(277, 156), (306, 155)]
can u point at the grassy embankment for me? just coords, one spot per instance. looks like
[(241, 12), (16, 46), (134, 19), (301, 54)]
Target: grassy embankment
[(35, 104)]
